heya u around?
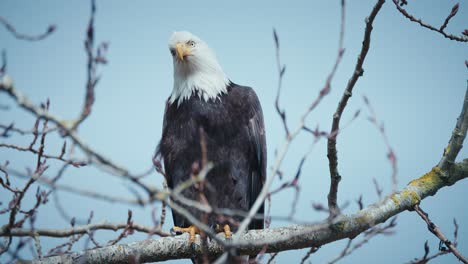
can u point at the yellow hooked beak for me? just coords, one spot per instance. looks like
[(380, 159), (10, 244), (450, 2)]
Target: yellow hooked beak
[(182, 50)]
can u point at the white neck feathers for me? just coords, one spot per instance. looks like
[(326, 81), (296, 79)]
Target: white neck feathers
[(208, 79)]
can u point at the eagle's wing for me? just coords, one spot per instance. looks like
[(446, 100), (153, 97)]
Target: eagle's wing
[(256, 128), (157, 154)]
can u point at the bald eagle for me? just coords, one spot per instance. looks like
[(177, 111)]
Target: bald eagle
[(204, 103)]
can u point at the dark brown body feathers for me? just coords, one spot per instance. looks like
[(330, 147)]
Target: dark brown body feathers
[(233, 129)]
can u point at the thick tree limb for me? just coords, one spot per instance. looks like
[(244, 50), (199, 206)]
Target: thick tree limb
[(458, 136), (278, 239)]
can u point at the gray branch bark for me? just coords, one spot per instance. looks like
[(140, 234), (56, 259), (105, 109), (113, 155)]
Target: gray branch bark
[(277, 239)]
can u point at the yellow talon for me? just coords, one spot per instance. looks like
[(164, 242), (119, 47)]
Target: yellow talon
[(192, 230), (227, 232)]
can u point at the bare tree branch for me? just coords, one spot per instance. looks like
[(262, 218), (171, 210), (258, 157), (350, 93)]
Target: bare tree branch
[(453, 12), (281, 70), (22, 36), (368, 235), (458, 136), (439, 234), (391, 156), (426, 258), (366, 221), (311, 251), (67, 232), (60, 157), (428, 26), (11, 128), (301, 126), (91, 67), (47, 181), (7, 86), (278, 239), (332, 155)]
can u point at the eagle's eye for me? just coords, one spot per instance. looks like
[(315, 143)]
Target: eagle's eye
[(172, 52), (191, 43)]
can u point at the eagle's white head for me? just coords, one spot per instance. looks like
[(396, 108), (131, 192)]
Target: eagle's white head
[(195, 69)]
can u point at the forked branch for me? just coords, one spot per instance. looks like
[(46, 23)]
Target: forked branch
[(332, 155)]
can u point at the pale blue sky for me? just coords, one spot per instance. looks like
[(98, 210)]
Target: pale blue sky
[(414, 78)]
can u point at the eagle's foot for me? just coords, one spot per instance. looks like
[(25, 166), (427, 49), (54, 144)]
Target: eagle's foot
[(192, 230), (227, 232), (226, 229)]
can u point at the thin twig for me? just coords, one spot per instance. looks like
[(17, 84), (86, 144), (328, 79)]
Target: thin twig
[(11, 128), (281, 70), (439, 234), (47, 181), (67, 232), (453, 12), (391, 156), (22, 36), (311, 251), (428, 26), (387, 229), (75, 163), (15, 204), (91, 67), (426, 258)]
